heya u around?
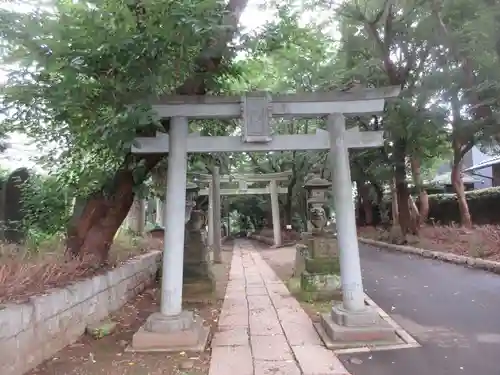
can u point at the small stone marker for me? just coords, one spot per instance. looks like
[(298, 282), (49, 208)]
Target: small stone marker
[(101, 329), (12, 213)]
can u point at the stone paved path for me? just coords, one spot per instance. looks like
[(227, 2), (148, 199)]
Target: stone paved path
[(262, 328)]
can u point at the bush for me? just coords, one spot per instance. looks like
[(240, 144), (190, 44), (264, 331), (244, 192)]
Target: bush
[(46, 209), (484, 207)]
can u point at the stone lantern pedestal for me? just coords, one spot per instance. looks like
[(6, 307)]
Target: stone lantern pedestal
[(320, 273), (197, 275)]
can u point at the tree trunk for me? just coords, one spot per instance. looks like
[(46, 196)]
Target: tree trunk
[(91, 232), (378, 191), (360, 216), (423, 197), (414, 215), (402, 191), (458, 187), (288, 208), (364, 192), (395, 208)]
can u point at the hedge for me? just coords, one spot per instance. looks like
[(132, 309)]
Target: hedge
[(484, 207)]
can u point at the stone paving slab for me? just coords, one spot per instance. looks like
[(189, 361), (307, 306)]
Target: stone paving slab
[(230, 360), (271, 348), (262, 329), (234, 336), (277, 368), (317, 360)]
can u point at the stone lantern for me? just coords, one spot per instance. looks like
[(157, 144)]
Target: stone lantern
[(191, 194), (317, 189), (197, 274), (316, 259)]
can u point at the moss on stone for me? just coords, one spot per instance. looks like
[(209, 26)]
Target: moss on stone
[(323, 265)]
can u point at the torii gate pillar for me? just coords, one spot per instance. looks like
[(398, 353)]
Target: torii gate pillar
[(275, 209), (352, 320), (216, 215), (172, 325)]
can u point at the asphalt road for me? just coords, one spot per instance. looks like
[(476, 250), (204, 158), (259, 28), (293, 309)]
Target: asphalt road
[(452, 311)]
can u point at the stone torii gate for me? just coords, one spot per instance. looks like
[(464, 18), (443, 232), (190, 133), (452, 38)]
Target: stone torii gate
[(243, 180), (173, 328)]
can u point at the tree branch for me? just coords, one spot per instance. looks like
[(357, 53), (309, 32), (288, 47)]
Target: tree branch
[(211, 56), (480, 111)]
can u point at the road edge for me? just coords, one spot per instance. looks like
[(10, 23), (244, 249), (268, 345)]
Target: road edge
[(485, 265)]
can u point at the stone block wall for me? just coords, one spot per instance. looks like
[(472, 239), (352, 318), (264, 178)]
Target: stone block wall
[(34, 331)]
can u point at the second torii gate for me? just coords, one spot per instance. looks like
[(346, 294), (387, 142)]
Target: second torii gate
[(243, 181), (173, 323)]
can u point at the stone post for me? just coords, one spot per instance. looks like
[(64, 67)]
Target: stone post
[(275, 209), (216, 215), (11, 207), (160, 212), (211, 226), (136, 218)]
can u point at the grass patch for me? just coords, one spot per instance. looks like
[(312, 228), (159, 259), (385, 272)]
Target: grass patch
[(313, 307)]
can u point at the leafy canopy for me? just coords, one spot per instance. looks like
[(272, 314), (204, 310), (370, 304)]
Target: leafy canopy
[(84, 72)]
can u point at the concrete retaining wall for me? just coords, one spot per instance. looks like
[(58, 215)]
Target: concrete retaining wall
[(34, 331)]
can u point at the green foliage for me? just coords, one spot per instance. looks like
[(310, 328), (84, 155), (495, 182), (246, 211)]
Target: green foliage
[(251, 209), (46, 207), (82, 67), (87, 70)]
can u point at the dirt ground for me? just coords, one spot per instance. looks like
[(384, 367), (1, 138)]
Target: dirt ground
[(480, 241), (107, 356)]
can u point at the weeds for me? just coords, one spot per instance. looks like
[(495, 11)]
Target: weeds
[(26, 271)]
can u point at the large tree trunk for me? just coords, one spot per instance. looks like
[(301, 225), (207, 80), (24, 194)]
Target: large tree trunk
[(288, 214), (414, 215), (94, 230), (402, 191), (91, 231), (364, 192), (458, 187), (394, 208), (423, 197)]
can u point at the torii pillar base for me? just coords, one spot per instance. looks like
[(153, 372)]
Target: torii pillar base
[(342, 329), (161, 333)]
